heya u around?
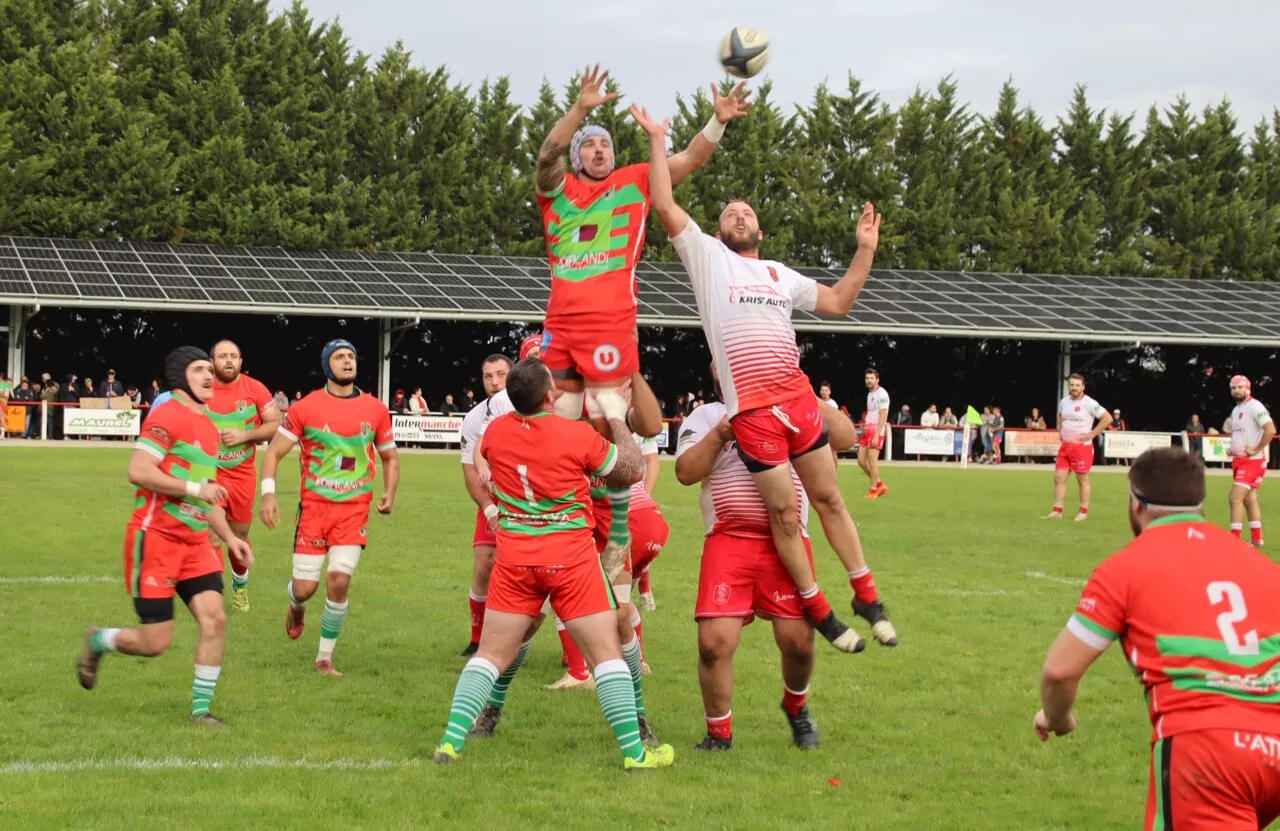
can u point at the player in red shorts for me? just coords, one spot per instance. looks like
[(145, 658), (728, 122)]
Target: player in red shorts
[(539, 464), (167, 549), (1195, 613), (245, 414), (594, 223), (745, 305), (1251, 431), (1076, 414), (875, 425), (341, 429)]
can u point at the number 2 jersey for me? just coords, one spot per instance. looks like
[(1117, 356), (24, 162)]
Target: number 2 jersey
[(340, 438), (1197, 613)]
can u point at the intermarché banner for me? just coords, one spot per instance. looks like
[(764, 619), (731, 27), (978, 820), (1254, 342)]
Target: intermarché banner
[(427, 429), (78, 422)]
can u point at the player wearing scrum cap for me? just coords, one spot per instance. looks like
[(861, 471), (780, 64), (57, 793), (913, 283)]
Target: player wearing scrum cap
[(1251, 431), (594, 222), (1076, 414), (340, 429), (167, 549)]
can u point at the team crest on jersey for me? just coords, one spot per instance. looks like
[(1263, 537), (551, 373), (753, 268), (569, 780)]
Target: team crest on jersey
[(366, 431), (244, 406), (773, 273), (1087, 604), (1077, 408), (720, 594)]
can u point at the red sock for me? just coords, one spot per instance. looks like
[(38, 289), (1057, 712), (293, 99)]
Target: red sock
[(792, 702), (1237, 529), (1255, 534), (1057, 509), (1084, 509), (815, 604), (477, 616), (577, 662), (864, 585), (722, 727), (644, 582)]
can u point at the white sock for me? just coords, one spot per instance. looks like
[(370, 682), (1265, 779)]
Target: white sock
[(107, 639), (325, 652)]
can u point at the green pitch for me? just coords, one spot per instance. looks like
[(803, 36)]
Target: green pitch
[(935, 734)]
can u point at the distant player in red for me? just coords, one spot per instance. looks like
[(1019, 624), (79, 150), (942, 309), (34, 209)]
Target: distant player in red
[(245, 414), (539, 464), (745, 305), (1076, 416), (1252, 429), (875, 426), (341, 430), (594, 223), (1196, 615), (167, 549)]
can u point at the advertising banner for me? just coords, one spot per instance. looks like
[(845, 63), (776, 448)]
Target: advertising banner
[(926, 442), (1031, 443), (1121, 444), (79, 421), (427, 429)]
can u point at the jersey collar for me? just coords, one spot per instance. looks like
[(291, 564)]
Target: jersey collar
[(1172, 519), (534, 415), (355, 392)]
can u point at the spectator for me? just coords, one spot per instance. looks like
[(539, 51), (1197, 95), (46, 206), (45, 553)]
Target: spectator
[(930, 417), (997, 435), (824, 395), (903, 417), (1117, 424), (152, 392), (33, 413), (417, 404), (447, 408), (1195, 443), (297, 396), (984, 433), (111, 388), (88, 391), (135, 395), (24, 394), (468, 401), (399, 404), (1036, 421), (49, 395), (70, 393), (281, 401), (949, 419)]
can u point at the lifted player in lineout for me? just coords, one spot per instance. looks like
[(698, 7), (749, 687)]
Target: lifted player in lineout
[(340, 429), (167, 549), (540, 463), (1251, 431), (1195, 613), (741, 576), (745, 305), (594, 221), (1076, 414), (245, 414), (875, 425)]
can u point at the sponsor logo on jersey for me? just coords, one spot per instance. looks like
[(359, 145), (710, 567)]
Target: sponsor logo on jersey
[(758, 295), (606, 357)]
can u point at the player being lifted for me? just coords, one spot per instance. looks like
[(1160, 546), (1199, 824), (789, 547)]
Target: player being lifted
[(167, 549), (483, 543), (1076, 413), (1251, 431), (340, 428), (745, 305), (1195, 613), (875, 425), (594, 222), (245, 414), (540, 464)]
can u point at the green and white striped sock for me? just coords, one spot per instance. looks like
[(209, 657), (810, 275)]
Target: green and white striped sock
[(202, 689), (619, 514), (631, 654), (239, 581), (474, 685), (331, 621), (498, 697), (617, 700)]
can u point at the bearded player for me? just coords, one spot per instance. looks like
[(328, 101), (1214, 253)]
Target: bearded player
[(340, 429), (745, 305), (245, 414), (540, 464), (875, 424), (483, 543), (1076, 414), (1251, 431), (594, 222), (1195, 613), (167, 549)]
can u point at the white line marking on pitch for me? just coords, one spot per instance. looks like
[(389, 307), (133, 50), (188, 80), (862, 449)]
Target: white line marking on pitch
[(179, 763), (971, 592), (58, 579), (1068, 581)]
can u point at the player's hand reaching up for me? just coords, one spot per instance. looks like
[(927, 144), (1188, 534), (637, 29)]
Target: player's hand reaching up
[(1043, 728), (240, 551), (386, 503), (647, 123), (269, 513), (731, 106), (868, 232), (591, 92)]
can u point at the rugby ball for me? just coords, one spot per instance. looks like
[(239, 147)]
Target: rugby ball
[(744, 51)]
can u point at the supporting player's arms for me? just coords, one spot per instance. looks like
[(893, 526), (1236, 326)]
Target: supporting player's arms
[(694, 465), (1068, 660), (628, 467), (269, 510), (390, 479), (145, 473), (661, 198), (645, 415), (727, 107), (478, 493), (549, 175), (839, 299)]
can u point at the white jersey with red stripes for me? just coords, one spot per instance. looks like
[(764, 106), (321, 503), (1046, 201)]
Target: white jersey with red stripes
[(1078, 416), (877, 400), (478, 418), (1247, 420), (745, 306), (729, 500)]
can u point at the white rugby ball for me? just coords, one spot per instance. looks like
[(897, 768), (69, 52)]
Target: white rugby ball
[(744, 51)]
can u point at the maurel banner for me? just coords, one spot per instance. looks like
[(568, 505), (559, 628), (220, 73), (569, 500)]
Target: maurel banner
[(80, 422)]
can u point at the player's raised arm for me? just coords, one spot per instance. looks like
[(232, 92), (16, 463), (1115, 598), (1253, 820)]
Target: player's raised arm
[(727, 108), (550, 170), (661, 198), (839, 299), (628, 466)]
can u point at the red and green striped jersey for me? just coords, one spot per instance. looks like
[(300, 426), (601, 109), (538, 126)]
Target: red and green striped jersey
[(185, 441), (540, 466), (595, 233), (238, 406), (340, 438), (1196, 612)]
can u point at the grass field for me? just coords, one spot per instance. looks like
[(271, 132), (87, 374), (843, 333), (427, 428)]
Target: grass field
[(932, 735)]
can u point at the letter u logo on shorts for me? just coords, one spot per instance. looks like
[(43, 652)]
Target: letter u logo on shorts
[(606, 357)]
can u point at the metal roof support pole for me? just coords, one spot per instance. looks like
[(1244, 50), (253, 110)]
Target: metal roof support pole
[(15, 362), (384, 360), (1064, 368)]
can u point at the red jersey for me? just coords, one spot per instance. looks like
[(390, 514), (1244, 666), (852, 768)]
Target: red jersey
[(540, 466), (185, 442), (1195, 611), (339, 438), (238, 406), (595, 233)]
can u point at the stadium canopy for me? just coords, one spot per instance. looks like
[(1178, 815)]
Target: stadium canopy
[(391, 285)]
